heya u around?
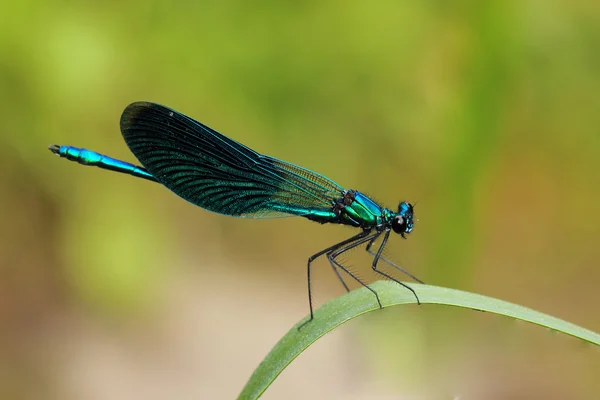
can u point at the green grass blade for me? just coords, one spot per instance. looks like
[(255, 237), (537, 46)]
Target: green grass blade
[(361, 301)]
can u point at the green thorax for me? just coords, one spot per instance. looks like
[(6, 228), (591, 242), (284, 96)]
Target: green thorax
[(361, 211)]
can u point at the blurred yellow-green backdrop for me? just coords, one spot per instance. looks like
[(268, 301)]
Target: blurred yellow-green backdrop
[(486, 114)]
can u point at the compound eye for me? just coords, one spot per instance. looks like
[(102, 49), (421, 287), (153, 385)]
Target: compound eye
[(399, 224)]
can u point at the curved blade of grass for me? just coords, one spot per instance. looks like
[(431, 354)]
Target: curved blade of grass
[(361, 301)]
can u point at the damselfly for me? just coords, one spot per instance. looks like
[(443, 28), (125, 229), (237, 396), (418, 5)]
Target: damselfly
[(219, 174)]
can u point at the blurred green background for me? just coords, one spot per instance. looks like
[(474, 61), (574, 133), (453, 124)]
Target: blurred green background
[(485, 113)]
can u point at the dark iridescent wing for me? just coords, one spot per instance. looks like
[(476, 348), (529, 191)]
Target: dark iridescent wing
[(217, 173)]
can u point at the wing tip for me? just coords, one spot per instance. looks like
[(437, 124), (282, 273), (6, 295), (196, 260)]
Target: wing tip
[(137, 107), (140, 110)]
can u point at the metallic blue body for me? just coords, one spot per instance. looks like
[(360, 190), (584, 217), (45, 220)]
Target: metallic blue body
[(361, 212), (89, 157)]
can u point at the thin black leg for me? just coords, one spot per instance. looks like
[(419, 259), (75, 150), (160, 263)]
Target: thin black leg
[(378, 256), (335, 269), (319, 254), (358, 242), (405, 272)]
